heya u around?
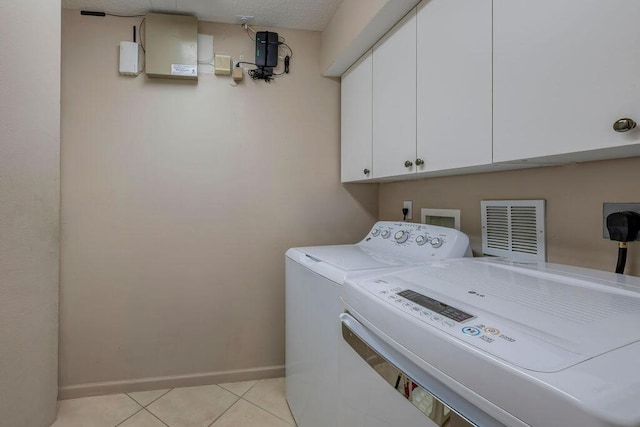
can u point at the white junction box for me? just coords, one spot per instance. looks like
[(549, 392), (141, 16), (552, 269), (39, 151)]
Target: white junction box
[(442, 217), (130, 58)]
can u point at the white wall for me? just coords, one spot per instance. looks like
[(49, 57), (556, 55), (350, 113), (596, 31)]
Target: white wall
[(29, 210), (178, 203)]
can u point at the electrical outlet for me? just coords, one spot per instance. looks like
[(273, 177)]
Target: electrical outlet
[(408, 204), (609, 208)]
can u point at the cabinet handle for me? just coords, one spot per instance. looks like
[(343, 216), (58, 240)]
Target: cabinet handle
[(419, 162), (408, 164), (366, 171), (624, 125)]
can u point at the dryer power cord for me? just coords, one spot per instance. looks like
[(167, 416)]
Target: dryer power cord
[(623, 227)]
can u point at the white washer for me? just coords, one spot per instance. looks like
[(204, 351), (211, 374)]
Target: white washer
[(491, 343), (314, 278)]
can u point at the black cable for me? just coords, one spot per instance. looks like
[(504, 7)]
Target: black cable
[(102, 14), (622, 257), (288, 47), (140, 34)]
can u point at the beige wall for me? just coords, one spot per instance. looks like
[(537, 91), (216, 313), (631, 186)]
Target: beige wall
[(354, 28), (29, 211), (574, 196), (178, 203), (348, 21)]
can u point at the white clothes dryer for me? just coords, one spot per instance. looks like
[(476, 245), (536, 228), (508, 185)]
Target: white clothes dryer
[(491, 342), (314, 278)]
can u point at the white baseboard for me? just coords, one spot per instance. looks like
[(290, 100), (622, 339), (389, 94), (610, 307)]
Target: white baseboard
[(156, 383)]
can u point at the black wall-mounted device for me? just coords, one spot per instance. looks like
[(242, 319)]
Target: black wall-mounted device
[(267, 49)]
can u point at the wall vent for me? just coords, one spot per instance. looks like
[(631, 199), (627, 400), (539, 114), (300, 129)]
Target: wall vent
[(514, 229)]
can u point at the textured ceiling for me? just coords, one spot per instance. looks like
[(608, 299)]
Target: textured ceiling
[(300, 14)]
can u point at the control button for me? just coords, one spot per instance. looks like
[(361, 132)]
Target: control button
[(436, 242), (408, 304), (436, 318), (385, 234), (416, 309), (492, 331), (471, 330), (398, 300), (375, 232), (425, 313), (384, 292), (401, 236), (449, 323), (393, 296), (421, 240)]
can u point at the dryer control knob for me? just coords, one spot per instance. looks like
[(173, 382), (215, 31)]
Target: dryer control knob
[(375, 232), (436, 242), (385, 234), (401, 236), (421, 240)]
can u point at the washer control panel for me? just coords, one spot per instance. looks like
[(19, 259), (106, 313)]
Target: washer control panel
[(419, 240), (481, 331)]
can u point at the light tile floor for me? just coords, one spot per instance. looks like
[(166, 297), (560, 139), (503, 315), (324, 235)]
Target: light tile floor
[(244, 404)]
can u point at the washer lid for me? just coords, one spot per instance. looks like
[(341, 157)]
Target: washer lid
[(357, 257), (536, 320)]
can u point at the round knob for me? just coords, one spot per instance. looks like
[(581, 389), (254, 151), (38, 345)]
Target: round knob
[(624, 125), (421, 240), (419, 162), (401, 236), (385, 234), (436, 242), (408, 164), (366, 171), (375, 232)]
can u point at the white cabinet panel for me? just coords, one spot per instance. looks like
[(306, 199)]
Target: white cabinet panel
[(454, 83), (356, 123), (394, 100), (564, 72)]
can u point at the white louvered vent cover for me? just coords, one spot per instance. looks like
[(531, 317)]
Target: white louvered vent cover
[(514, 229)]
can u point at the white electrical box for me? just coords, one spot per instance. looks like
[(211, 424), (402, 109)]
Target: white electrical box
[(130, 58), (171, 43), (442, 217)]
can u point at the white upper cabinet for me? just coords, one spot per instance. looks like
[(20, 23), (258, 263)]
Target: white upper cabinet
[(356, 123), (394, 100), (454, 84), (564, 72)]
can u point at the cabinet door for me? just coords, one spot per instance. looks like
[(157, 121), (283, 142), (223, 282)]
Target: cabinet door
[(564, 72), (394, 100), (356, 123), (454, 84)]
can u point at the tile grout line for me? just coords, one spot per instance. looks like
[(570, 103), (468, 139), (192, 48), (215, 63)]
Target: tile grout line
[(235, 394), (268, 411), (250, 388), (132, 415), (155, 416), (226, 410), (144, 406)]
